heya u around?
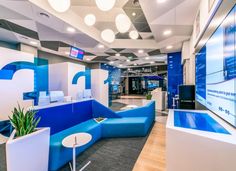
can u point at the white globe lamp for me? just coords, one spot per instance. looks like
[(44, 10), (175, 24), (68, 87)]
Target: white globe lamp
[(90, 19), (123, 23), (105, 5), (108, 35), (133, 34), (60, 5)]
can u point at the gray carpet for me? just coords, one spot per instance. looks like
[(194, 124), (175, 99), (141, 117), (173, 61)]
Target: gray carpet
[(116, 106), (3, 157), (115, 154)]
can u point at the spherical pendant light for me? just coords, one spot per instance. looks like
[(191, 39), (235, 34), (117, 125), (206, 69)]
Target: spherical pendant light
[(90, 19), (105, 5), (123, 23), (133, 34), (60, 5), (108, 35)]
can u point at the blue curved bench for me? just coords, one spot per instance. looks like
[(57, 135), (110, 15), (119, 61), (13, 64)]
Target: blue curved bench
[(68, 119)]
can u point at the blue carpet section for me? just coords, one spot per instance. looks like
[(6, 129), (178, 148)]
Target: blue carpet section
[(78, 117), (198, 121)]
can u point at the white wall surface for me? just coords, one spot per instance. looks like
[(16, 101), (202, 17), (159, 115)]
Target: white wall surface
[(11, 91), (61, 76), (99, 89)]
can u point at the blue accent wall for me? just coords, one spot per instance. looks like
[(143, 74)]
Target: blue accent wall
[(175, 75), (40, 68), (86, 74)]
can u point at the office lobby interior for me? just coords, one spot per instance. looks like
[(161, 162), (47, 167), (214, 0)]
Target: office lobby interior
[(117, 85)]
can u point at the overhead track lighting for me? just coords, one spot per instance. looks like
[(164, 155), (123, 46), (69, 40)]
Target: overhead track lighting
[(105, 5), (60, 5)]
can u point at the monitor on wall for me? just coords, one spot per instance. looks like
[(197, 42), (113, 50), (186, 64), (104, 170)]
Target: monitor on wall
[(216, 71), (76, 53)]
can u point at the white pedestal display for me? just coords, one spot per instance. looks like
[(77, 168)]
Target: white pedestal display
[(28, 153), (195, 150), (159, 97)]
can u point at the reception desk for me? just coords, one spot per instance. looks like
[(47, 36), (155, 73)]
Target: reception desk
[(199, 141)]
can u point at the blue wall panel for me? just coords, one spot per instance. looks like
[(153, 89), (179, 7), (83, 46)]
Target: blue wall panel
[(175, 75)]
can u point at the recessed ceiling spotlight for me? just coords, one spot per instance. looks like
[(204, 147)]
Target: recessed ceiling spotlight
[(161, 1), (117, 54), (127, 60), (70, 29), (169, 47), (90, 19), (88, 59), (133, 14), (140, 51), (111, 62), (100, 46), (167, 32), (133, 34), (120, 65), (135, 64), (33, 43), (60, 5), (152, 62), (147, 58)]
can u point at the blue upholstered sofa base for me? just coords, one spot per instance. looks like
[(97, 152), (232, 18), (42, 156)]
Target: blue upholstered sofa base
[(130, 123)]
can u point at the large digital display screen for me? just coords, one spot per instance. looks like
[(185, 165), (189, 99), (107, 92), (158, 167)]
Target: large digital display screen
[(76, 53), (216, 71)]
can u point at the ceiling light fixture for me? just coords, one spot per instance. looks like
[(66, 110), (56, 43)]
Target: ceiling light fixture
[(147, 58), (123, 23), (105, 5), (108, 35), (140, 51), (111, 62), (161, 1), (167, 32), (169, 47), (67, 53), (133, 14), (152, 62), (135, 64), (117, 54), (60, 5), (100, 46), (70, 29), (33, 43), (133, 34), (90, 19), (88, 59), (127, 60)]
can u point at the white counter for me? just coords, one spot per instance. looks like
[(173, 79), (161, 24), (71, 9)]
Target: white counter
[(59, 104), (195, 150)]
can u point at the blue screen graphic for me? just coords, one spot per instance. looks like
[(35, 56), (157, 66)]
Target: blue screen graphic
[(216, 71)]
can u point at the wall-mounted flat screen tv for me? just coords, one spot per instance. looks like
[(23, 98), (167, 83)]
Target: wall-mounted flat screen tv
[(216, 71), (77, 53)]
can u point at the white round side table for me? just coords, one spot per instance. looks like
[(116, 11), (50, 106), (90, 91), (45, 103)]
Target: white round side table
[(74, 141)]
